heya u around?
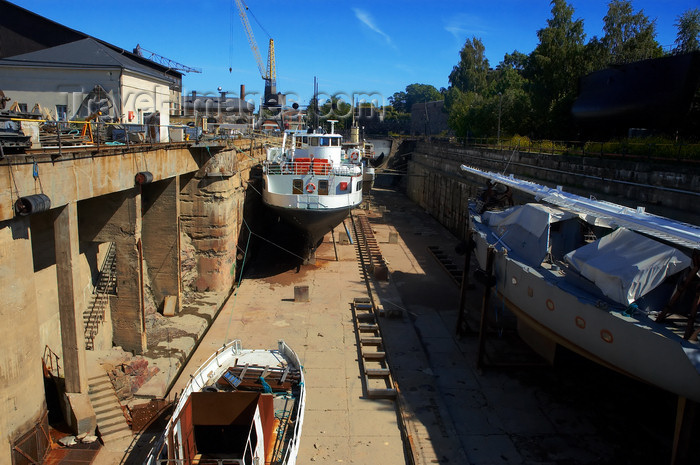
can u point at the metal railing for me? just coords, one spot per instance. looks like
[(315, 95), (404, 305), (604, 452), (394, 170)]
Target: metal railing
[(50, 361), (104, 287), (648, 149), (311, 167)]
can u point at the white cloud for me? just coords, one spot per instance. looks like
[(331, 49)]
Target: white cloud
[(366, 19), (463, 26)]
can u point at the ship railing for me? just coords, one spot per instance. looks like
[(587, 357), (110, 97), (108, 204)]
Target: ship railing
[(299, 166), (199, 379)]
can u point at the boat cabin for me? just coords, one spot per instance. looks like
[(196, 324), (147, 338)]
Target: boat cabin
[(235, 428)]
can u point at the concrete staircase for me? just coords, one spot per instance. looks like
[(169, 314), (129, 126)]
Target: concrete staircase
[(111, 422)]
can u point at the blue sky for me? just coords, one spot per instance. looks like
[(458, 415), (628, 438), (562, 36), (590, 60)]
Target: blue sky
[(367, 48)]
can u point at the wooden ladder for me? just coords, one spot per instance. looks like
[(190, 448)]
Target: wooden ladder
[(376, 374)]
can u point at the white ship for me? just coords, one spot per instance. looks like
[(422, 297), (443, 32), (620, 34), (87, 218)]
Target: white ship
[(312, 182)]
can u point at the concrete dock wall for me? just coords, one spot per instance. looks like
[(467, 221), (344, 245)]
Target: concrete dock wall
[(191, 212), (437, 184)]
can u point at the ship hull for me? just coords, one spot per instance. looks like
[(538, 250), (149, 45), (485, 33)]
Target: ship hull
[(572, 313), (312, 225)]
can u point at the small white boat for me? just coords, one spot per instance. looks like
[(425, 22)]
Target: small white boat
[(609, 282), (312, 182), (241, 407)]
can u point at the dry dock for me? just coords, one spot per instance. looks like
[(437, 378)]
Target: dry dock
[(446, 411)]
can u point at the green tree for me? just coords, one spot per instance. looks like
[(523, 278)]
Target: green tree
[(515, 60), (465, 108), (416, 93), (553, 69), (398, 102), (688, 25), (470, 74), (629, 35), (403, 101), (509, 96)]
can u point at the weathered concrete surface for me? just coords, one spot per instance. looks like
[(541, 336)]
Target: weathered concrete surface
[(79, 176), (668, 188), (79, 413), (21, 380), (160, 234)]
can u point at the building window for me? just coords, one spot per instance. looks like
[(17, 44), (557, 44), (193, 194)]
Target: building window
[(62, 112)]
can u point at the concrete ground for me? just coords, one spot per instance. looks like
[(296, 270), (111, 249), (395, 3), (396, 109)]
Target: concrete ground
[(572, 413)]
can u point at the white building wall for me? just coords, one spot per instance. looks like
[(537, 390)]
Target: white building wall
[(50, 87), (142, 96), (55, 86)]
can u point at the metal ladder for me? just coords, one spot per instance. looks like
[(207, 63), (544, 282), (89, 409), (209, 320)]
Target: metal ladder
[(376, 375)]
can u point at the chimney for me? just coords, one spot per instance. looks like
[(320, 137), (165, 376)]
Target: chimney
[(242, 91)]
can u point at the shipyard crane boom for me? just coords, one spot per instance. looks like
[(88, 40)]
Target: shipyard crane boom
[(269, 73), (165, 61)]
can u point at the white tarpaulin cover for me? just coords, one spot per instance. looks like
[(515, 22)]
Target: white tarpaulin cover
[(626, 265), (524, 229)]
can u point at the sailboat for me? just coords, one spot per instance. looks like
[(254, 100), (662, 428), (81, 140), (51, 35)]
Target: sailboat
[(615, 284)]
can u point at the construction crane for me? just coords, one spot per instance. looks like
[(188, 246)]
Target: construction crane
[(161, 60), (269, 73)]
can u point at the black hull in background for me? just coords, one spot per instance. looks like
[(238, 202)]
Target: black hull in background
[(656, 94), (312, 225)]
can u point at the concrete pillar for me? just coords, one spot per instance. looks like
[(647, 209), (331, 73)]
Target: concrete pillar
[(77, 409), (68, 279), (128, 309), (161, 238), (22, 403)]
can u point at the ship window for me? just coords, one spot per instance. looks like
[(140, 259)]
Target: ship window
[(297, 185), (305, 139), (359, 186), (325, 141), (323, 187), (335, 142), (298, 143), (313, 141)]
